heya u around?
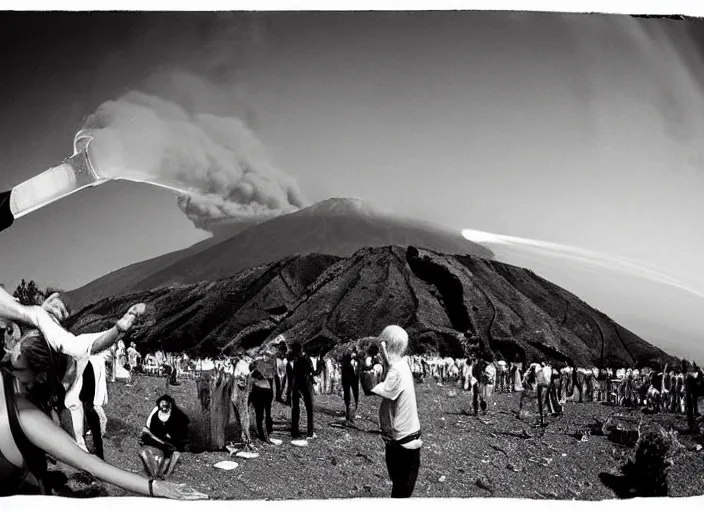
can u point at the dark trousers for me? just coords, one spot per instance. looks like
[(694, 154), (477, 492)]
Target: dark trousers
[(298, 392), (477, 400), (692, 409), (289, 384), (552, 399), (261, 399), (350, 388), (403, 466), (86, 396)]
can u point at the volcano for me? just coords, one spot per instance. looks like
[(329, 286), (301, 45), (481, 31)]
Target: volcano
[(338, 227), (324, 300)]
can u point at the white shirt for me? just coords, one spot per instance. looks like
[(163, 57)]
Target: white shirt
[(77, 347), (398, 412)]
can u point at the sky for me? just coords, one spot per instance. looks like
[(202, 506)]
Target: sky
[(581, 130)]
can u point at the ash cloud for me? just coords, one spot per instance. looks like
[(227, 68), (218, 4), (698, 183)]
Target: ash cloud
[(190, 129)]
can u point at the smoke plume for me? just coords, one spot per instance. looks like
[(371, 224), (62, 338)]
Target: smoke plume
[(216, 163)]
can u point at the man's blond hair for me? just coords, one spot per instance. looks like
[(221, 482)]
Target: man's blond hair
[(396, 339)]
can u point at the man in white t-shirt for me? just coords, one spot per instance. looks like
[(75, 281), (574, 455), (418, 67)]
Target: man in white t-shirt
[(398, 413)]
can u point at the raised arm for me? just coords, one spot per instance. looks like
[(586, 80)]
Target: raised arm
[(84, 344), (47, 436), (12, 310)]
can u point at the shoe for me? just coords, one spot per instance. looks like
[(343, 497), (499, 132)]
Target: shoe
[(314, 436)]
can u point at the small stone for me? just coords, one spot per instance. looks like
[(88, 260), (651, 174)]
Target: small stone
[(442, 478), (484, 483)]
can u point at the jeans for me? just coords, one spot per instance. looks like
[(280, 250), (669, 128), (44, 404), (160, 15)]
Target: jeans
[(403, 466)]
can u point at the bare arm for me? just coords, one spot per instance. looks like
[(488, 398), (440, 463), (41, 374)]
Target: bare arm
[(106, 340), (12, 310), (46, 435), (43, 433)]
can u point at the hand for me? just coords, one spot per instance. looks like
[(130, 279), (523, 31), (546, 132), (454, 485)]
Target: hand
[(55, 307), (174, 491), (126, 323)]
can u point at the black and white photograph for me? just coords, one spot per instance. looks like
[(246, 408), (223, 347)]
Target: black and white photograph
[(332, 255)]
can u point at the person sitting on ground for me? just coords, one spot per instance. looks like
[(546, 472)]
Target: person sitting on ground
[(164, 438), (33, 369), (263, 372), (398, 413)]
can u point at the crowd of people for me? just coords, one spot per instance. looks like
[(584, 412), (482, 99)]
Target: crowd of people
[(52, 378), (54, 382)]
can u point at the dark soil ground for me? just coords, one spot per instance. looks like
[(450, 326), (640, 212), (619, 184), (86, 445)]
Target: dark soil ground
[(463, 456)]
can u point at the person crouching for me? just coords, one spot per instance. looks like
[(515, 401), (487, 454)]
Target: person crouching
[(164, 438)]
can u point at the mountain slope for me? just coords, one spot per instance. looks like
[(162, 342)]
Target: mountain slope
[(125, 278), (324, 300), (336, 226)]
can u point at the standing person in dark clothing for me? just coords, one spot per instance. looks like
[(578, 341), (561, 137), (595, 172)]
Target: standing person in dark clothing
[(477, 365), (301, 387), (87, 396), (350, 385), (263, 371)]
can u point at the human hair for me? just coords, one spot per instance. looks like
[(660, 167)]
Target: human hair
[(167, 398), (48, 368), (396, 339)]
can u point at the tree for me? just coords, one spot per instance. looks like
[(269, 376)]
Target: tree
[(29, 294)]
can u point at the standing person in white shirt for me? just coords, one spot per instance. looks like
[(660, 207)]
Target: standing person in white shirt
[(398, 413), (134, 357)]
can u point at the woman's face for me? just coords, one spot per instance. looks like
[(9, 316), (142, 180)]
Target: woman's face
[(164, 406), (16, 362)]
